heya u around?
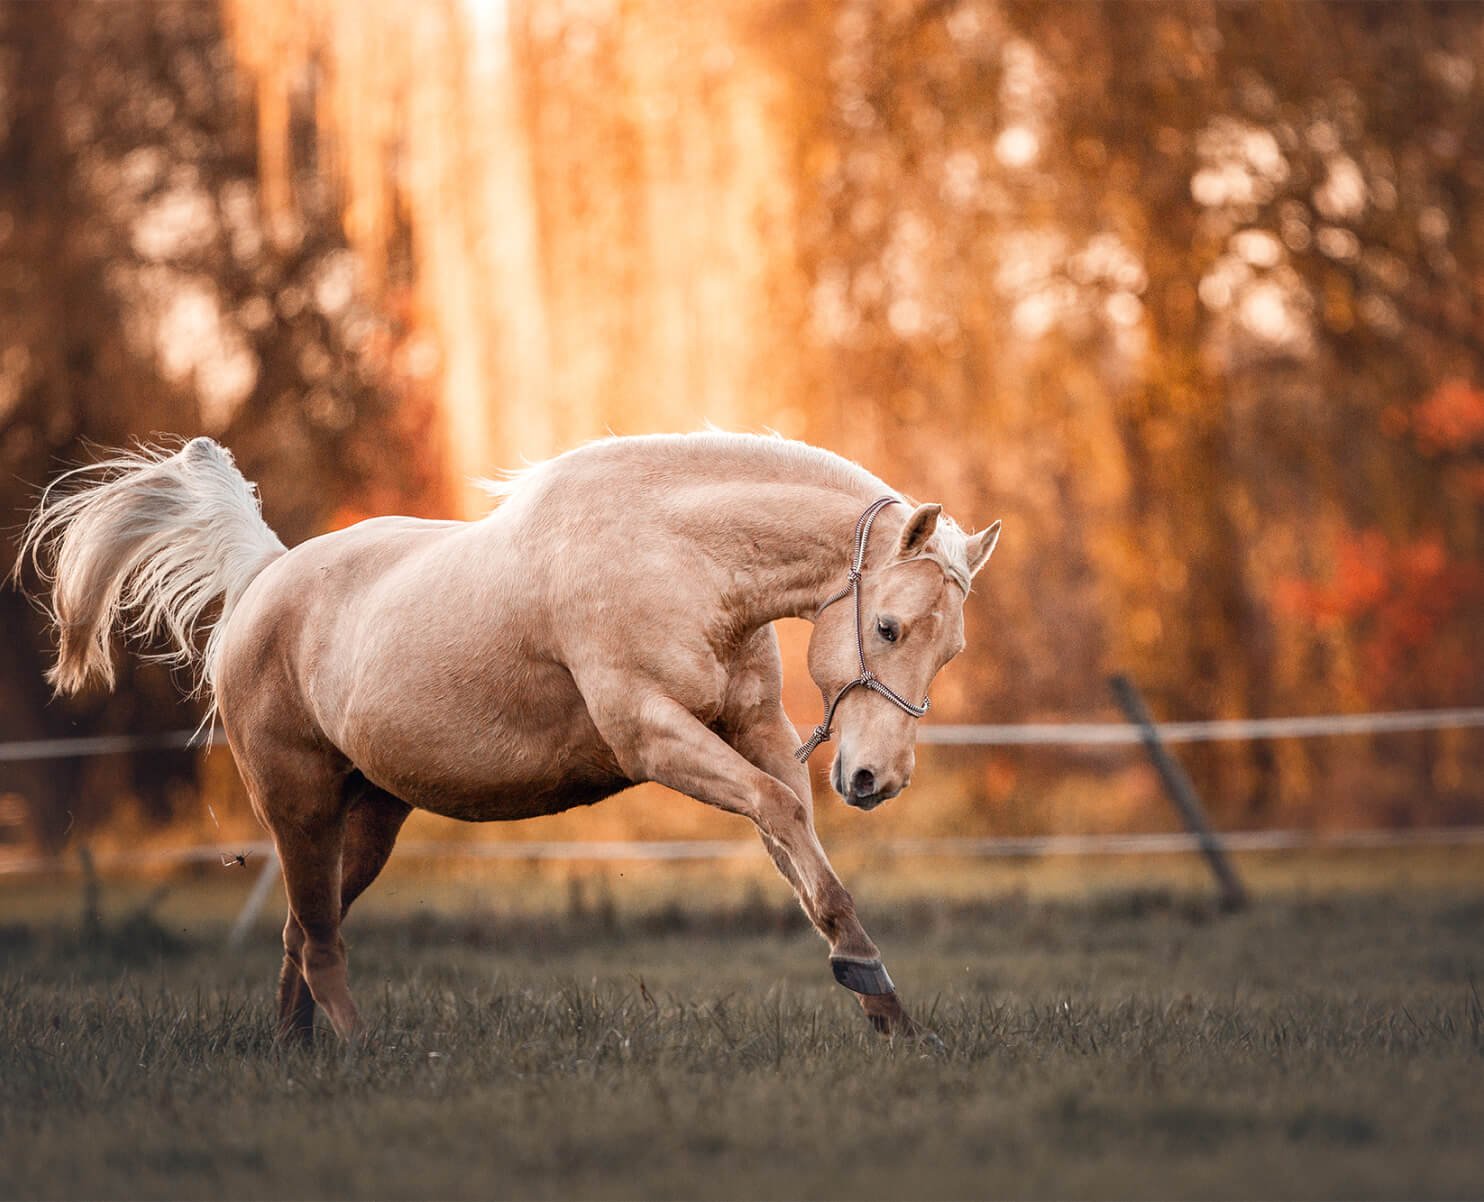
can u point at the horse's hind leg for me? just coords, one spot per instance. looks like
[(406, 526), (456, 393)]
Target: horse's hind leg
[(372, 824), (299, 792), (371, 830)]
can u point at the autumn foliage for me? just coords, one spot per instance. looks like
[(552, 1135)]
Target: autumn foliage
[(1406, 607), (1451, 421)]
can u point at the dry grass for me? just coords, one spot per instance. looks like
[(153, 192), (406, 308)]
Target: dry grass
[(1127, 1043)]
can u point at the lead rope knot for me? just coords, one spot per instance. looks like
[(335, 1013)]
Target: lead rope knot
[(821, 735)]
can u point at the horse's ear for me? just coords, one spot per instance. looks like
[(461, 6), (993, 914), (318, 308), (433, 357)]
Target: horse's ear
[(981, 547), (919, 529)]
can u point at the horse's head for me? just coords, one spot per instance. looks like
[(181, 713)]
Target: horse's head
[(911, 624)]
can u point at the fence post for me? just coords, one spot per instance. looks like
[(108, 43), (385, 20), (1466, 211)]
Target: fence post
[(253, 906), (1180, 790), (92, 896)]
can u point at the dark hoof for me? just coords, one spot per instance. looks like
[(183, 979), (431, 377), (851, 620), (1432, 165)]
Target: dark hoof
[(295, 1038), (868, 977), (929, 1043)]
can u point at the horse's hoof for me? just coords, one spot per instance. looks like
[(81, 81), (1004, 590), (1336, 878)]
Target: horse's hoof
[(294, 1038), (920, 1039), (929, 1042), (868, 977)]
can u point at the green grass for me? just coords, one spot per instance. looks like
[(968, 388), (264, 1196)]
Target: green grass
[(1133, 1043)]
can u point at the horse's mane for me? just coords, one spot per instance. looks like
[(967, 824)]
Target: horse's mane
[(737, 455), (714, 449)]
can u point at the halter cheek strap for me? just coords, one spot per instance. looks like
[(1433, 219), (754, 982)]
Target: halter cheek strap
[(867, 678)]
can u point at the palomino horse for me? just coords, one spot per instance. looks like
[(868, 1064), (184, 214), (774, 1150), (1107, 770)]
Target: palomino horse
[(609, 622)]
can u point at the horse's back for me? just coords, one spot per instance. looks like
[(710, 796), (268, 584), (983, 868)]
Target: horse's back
[(331, 574)]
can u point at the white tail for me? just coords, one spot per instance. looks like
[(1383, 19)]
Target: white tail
[(151, 541)]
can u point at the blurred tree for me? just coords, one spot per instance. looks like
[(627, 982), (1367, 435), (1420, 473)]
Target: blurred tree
[(1144, 278), (1188, 293), (1172, 263), (141, 291)]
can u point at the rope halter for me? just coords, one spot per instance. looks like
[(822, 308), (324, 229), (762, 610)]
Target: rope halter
[(867, 679)]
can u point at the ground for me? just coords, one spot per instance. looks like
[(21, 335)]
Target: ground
[(1125, 1040)]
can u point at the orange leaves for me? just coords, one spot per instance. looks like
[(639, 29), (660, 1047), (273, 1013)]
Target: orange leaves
[(1361, 575), (1408, 609), (1451, 419), (1448, 425)]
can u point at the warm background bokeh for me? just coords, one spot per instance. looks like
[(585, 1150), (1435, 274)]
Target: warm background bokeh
[(1188, 294)]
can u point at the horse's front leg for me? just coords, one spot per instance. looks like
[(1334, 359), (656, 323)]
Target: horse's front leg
[(670, 746), (768, 742)]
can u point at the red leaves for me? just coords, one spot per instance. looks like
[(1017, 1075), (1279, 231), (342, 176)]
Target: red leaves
[(1451, 419), (1399, 600), (1409, 607)]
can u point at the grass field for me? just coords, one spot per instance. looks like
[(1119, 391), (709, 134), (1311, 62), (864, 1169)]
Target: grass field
[(1121, 1041)]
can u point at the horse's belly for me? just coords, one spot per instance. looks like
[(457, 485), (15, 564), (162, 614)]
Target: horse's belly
[(524, 801), (504, 797), (496, 771)]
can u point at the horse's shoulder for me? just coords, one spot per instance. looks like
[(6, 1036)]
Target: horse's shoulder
[(755, 675)]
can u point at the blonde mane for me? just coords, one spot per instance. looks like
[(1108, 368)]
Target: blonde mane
[(779, 457), (771, 456)]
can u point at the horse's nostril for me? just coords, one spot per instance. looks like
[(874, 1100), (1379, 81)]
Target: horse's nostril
[(863, 783)]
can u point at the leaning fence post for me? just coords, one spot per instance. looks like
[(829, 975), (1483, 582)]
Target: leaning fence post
[(1178, 785), (256, 899)]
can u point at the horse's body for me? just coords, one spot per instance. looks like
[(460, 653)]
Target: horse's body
[(608, 623), (437, 675)]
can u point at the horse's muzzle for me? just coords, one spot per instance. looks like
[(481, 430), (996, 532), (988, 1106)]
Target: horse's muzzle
[(863, 792), (867, 801)]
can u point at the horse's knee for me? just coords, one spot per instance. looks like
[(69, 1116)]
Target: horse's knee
[(783, 817)]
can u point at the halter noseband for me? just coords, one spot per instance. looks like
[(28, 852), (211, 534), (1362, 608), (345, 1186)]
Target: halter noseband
[(867, 678)]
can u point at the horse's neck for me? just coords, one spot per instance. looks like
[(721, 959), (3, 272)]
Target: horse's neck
[(787, 546)]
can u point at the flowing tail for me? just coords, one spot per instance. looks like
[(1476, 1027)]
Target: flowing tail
[(159, 542)]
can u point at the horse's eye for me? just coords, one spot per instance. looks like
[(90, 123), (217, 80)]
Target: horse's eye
[(887, 629)]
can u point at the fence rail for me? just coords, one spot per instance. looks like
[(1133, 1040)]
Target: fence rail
[(976, 735), (1072, 734), (942, 734), (989, 848), (82, 746)]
